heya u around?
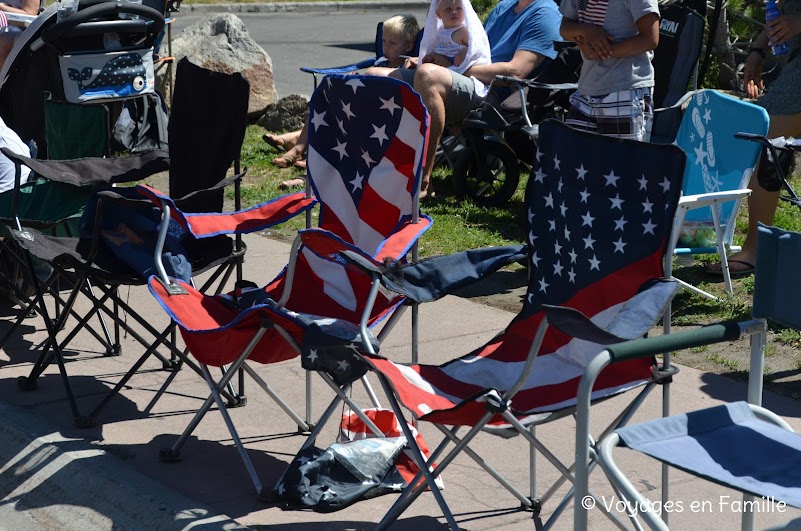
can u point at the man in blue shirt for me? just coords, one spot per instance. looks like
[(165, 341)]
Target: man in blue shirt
[(521, 35)]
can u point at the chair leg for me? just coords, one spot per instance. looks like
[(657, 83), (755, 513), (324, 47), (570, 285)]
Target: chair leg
[(302, 425)]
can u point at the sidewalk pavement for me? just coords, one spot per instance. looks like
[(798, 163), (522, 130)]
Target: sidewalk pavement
[(396, 6), (55, 476)]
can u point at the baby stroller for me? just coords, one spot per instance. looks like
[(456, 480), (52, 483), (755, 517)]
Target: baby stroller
[(101, 55)]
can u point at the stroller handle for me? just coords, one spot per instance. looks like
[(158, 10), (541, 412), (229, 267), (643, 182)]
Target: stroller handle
[(104, 9)]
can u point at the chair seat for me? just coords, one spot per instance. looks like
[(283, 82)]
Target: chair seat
[(764, 460)]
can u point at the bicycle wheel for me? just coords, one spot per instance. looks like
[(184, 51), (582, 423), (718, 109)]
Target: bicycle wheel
[(490, 179)]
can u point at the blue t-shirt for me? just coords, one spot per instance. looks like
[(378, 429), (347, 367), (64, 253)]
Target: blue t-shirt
[(534, 29)]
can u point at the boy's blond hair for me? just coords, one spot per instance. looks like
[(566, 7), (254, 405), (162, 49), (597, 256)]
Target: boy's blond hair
[(404, 25)]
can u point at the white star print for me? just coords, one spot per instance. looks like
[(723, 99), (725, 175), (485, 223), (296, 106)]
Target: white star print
[(563, 208), (535, 259), (700, 154), (557, 269), (707, 115), (587, 220), (312, 355), (648, 228), (572, 254), (589, 242), (559, 186), (343, 365), (549, 200), (665, 184), (567, 233), (552, 225), (530, 216), (584, 196), (281, 489), (303, 460), (389, 105), (619, 244), (572, 275), (357, 182), (556, 162), (367, 159), (543, 285), (380, 134), (643, 183), (594, 263), (341, 147), (616, 202), (581, 172), (341, 125), (318, 120), (355, 83), (557, 248), (692, 137), (647, 207), (538, 155), (347, 111), (611, 179), (619, 223), (539, 176)]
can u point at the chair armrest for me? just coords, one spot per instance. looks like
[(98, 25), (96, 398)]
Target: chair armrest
[(702, 200), (95, 171), (433, 278), (638, 348), (367, 63), (400, 242), (575, 324)]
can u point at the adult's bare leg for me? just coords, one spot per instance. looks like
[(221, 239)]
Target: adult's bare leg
[(433, 83), (762, 204)]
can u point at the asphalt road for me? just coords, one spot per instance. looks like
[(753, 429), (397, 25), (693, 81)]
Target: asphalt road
[(309, 39)]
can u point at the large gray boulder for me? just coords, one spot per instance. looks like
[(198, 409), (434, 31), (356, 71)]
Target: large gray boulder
[(220, 42)]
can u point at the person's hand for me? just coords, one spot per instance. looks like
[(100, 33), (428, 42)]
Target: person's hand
[(752, 75), (782, 28), (410, 63), (596, 41), (428, 58)]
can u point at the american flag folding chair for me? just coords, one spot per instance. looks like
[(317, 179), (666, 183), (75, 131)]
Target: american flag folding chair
[(599, 218), (367, 140), (738, 445)]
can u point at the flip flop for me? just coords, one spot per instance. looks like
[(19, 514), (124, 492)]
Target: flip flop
[(286, 161), (748, 269), (275, 141)]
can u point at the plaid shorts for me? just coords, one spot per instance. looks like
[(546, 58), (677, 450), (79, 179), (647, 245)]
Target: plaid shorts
[(624, 114)]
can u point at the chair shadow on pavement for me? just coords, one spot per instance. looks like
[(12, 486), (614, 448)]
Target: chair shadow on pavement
[(720, 386)]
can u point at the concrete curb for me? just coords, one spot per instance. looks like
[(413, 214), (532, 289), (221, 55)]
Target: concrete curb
[(397, 6), (52, 481)]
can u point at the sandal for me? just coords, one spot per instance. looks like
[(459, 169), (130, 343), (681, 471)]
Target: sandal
[(746, 269), (287, 161), (275, 141)]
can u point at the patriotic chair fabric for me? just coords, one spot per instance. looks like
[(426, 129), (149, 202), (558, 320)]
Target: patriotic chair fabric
[(719, 166), (366, 146), (738, 445), (599, 217)]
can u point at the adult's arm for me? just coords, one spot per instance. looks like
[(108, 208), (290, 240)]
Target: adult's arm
[(29, 7), (522, 64), (778, 31)]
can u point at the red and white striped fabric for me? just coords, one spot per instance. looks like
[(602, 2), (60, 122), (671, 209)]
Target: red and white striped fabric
[(600, 211), (3, 19), (352, 428), (594, 13)]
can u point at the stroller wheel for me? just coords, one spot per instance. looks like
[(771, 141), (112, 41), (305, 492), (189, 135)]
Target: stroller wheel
[(488, 177)]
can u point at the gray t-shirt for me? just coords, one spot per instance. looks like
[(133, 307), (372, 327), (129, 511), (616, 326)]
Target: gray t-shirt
[(619, 17)]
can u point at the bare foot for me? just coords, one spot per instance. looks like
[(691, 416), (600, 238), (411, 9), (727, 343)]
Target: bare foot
[(284, 142), (292, 183)]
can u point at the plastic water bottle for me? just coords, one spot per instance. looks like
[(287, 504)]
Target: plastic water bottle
[(771, 12)]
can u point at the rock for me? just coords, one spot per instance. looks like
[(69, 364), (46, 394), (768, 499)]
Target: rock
[(221, 42), (288, 114)]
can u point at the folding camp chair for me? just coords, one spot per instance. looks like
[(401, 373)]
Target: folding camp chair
[(738, 445), (209, 118), (598, 230), (364, 63), (715, 178), (366, 145)]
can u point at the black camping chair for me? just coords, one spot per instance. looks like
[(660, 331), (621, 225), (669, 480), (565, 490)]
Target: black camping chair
[(207, 130)]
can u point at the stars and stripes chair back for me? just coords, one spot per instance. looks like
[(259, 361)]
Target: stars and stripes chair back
[(367, 139), (599, 213), (718, 171)]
